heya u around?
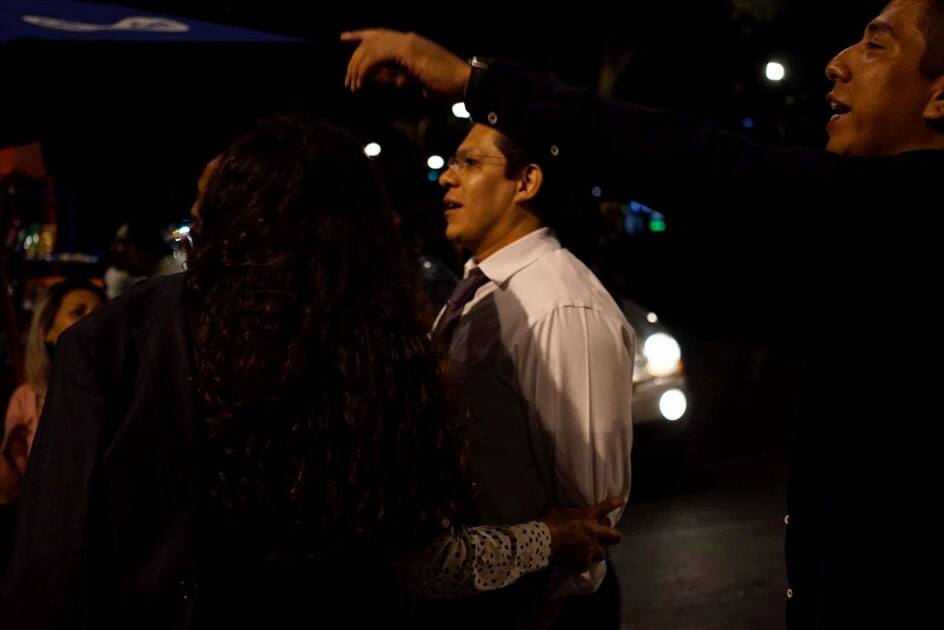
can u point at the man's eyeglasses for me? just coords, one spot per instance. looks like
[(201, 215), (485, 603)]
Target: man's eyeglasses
[(472, 161)]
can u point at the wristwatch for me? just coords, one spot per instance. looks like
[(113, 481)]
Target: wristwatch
[(479, 66), (479, 63)]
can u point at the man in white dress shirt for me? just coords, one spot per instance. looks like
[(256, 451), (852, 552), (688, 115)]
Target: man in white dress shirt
[(539, 349)]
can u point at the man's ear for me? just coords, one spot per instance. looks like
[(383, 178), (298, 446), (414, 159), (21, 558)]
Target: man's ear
[(934, 110), (530, 181)]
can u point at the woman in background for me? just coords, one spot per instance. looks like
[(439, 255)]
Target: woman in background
[(64, 304)]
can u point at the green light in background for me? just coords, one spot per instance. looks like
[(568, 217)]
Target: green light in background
[(657, 225)]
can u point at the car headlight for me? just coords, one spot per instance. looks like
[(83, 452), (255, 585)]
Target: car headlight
[(662, 353), (672, 404)]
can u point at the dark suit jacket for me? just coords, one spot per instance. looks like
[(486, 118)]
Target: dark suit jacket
[(835, 254), (111, 529)]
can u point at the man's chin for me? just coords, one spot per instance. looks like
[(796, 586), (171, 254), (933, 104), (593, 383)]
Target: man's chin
[(454, 234), (834, 146)]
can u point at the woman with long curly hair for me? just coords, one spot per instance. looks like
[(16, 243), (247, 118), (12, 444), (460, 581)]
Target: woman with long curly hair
[(269, 434)]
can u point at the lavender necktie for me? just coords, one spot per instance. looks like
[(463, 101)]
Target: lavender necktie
[(460, 296)]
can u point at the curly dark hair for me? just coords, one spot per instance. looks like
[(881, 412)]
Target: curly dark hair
[(327, 413)]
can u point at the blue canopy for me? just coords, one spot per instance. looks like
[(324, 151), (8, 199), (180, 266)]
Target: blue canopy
[(78, 21)]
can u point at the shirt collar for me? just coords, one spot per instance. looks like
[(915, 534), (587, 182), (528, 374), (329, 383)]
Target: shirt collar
[(514, 257)]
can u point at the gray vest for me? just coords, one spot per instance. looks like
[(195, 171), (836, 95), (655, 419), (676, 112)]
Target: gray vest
[(506, 452)]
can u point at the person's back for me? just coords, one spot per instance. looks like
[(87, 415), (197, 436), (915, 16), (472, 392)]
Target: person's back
[(249, 442)]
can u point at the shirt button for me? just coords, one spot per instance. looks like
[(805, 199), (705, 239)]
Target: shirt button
[(786, 519), (492, 118), (789, 593)]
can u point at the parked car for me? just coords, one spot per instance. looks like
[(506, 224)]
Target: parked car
[(660, 390)]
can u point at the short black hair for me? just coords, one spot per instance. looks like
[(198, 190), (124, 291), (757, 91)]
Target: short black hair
[(932, 24), (555, 200)]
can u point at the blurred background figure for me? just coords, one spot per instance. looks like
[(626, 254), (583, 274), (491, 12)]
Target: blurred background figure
[(63, 304), (138, 251)]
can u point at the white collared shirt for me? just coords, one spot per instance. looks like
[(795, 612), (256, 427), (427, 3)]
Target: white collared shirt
[(543, 330)]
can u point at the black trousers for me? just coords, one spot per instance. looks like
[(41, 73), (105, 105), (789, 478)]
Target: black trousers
[(599, 610)]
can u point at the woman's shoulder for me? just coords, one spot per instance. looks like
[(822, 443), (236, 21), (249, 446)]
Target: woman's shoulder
[(22, 408)]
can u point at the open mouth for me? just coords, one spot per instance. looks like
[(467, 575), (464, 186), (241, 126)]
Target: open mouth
[(838, 108), (451, 205)]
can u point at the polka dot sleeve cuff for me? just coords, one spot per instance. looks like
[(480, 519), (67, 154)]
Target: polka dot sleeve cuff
[(470, 560)]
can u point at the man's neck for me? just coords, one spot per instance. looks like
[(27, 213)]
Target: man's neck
[(518, 231)]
